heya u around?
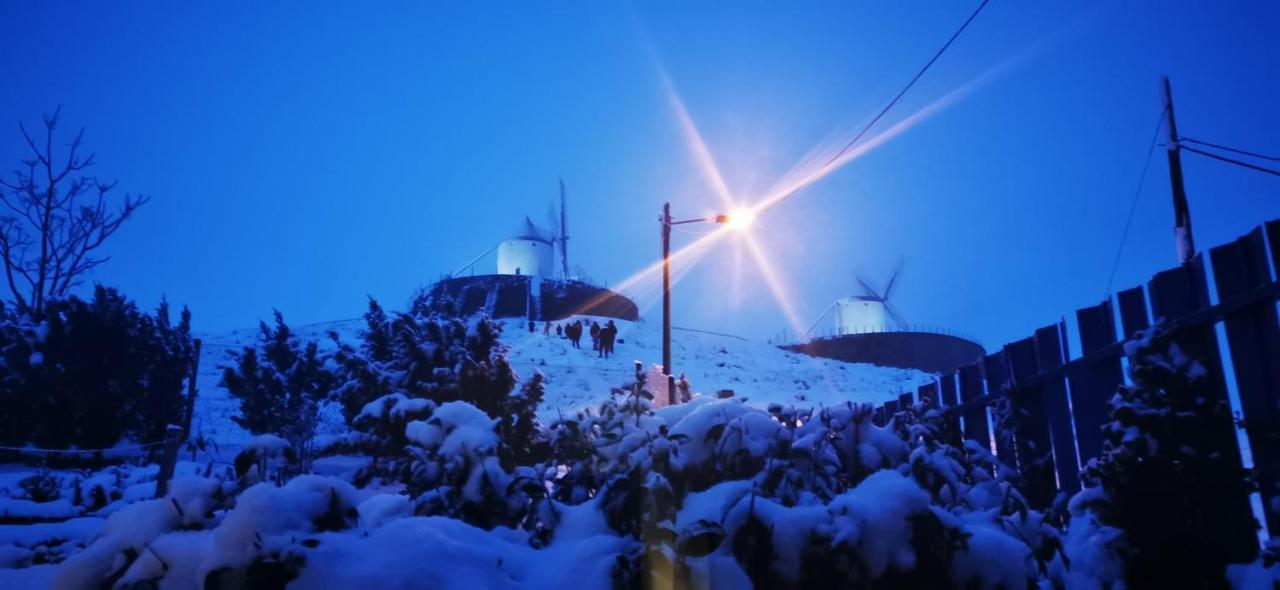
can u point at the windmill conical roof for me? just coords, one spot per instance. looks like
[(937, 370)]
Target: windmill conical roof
[(529, 231)]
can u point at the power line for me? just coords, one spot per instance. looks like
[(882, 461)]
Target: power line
[(1233, 161), (1230, 149), (1133, 206), (904, 90)]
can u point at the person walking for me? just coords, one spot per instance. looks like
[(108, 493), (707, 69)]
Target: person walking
[(576, 334), (595, 336), (607, 335)]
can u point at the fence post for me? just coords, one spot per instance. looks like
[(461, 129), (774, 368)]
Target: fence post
[(172, 440), (191, 388), (975, 417), (1053, 394), (996, 372)]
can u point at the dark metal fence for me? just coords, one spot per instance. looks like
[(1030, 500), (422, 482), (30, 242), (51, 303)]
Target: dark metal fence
[(1060, 404)]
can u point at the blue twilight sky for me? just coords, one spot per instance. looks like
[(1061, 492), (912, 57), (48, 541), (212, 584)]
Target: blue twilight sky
[(303, 155)]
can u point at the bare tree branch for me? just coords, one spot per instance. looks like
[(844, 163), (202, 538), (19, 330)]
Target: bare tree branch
[(48, 239)]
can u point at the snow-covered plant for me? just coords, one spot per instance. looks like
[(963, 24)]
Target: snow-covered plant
[(88, 373), (429, 357), (279, 383), (457, 471), (379, 433), (41, 486), (1161, 466)]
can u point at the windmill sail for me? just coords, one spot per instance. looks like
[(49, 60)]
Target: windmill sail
[(564, 233)]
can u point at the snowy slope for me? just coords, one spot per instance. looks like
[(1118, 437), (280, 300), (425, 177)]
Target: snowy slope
[(760, 372), (576, 378)]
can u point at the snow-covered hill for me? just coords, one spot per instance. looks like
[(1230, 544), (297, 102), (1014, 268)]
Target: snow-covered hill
[(577, 378)]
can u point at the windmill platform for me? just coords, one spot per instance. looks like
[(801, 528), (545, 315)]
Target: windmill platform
[(923, 349)]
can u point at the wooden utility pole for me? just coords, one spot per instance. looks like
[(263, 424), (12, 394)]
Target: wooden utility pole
[(1181, 212), (666, 288)]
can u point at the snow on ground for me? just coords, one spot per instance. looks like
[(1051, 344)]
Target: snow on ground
[(577, 378), (760, 372)]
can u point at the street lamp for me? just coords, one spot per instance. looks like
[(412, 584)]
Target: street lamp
[(739, 219)]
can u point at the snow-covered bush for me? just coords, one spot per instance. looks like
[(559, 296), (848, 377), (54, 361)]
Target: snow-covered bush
[(279, 384), (89, 373), (41, 486), (1160, 476), (416, 362)]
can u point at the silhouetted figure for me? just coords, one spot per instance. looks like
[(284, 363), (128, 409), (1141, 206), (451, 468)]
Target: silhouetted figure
[(607, 335), (559, 331), (546, 329), (568, 333), (577, 334), (595, 336), (532, 329)]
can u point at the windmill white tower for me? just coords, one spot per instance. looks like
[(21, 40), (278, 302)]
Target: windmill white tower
[(529, 252), (869, 311)]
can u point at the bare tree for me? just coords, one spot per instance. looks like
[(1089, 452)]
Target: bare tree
[(55, 217)]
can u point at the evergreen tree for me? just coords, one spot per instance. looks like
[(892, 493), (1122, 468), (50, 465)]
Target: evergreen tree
[(279, 384), (87, 373)]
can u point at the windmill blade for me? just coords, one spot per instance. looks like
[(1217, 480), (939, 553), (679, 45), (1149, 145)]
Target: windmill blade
[(869, 289), (553, 222), (564, 231), (894, 315), (892, 280)]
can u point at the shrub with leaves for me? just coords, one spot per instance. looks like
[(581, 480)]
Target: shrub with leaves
[(89, 373), (279, 383), (434, 359), (1161, 473)]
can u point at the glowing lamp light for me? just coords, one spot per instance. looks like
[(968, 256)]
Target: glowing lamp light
[(740, 219)]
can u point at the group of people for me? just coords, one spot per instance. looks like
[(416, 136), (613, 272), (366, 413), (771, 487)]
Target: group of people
[(602, 337)]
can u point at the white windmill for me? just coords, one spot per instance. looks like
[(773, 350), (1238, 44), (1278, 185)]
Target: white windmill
[(869, 311), (531, 250)]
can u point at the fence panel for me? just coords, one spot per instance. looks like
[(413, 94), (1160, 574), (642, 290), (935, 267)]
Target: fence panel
[(1053, 394), (975, 416), (905, 401), (995, 369), (1030, 426), (1093, 383), (947, 398), (890, 409), (1273, 236), (1133, 311), (1253, 334), (928, 394), (1175, 293), (879, 417)]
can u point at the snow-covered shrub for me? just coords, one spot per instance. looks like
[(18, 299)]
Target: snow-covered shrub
[(41, 486), (88, 373), (125, 552), (1159, 472), (424, 357), (279, 383), (266, 457), (724, 493)]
